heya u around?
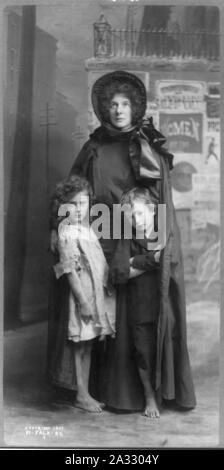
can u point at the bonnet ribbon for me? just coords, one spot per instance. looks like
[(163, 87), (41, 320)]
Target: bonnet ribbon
[(145, 150)]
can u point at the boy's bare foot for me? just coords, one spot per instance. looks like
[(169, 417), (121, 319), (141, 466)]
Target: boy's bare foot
[(151, 409)]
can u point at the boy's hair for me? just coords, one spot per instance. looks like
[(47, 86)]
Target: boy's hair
[(142, 194), (67, 189), (137, 193)]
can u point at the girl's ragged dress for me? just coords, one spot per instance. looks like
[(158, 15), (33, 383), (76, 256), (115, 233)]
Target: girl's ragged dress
[(79, 250)]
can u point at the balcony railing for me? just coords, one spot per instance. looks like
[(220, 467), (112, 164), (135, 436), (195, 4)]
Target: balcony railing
[(161, 43)]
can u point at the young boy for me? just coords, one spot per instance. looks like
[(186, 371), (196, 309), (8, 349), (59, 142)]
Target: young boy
[(136, 267)]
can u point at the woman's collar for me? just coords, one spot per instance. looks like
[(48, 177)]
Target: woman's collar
[(113, 130), (114, 133)]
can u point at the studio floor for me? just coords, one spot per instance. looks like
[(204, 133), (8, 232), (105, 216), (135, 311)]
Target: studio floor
[(30, 421)]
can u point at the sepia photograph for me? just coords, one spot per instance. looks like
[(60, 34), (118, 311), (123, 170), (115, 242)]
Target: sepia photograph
[(111, 180)]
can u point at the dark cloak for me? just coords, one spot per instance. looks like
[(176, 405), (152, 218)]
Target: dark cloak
[(118, 381)]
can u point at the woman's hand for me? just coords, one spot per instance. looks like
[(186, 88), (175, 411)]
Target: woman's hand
[(157, 256), (134, 272), (54, 241), (86, 312)]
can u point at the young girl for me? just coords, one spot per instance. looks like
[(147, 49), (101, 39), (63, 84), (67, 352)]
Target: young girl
[(134, 270), (89, 311)]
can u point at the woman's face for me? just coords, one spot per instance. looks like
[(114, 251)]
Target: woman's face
[(120, 111)]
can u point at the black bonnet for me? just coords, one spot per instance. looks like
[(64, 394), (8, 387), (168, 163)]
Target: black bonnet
[(122, 77)]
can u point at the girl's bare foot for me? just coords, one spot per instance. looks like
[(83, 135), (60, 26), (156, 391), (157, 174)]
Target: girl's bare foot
[(102, 405), (93, 400), (87, 403), (151, 410)]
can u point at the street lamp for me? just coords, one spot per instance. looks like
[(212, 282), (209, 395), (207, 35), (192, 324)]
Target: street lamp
[(102, 37)]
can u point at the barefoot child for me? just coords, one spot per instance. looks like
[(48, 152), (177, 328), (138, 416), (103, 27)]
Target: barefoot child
[(134, 270), (82, 261)]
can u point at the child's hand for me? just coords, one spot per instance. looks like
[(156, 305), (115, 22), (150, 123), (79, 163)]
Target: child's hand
[(54, 241), (109, 290), (102, 337), (86, 312)]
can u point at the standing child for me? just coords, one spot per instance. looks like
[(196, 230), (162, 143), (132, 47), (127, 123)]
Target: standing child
[(82, 262), (134, 270)]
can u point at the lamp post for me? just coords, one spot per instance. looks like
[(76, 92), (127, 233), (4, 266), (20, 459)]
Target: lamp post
[(102, 37)]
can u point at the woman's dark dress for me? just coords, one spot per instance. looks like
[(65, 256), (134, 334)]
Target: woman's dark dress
[(106, 163)]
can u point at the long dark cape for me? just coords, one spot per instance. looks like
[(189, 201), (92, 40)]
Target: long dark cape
[(151, 161)]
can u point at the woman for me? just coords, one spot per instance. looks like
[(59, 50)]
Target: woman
[(123, 152)]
